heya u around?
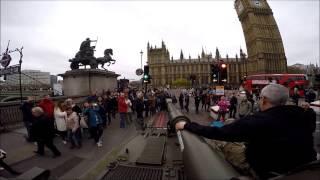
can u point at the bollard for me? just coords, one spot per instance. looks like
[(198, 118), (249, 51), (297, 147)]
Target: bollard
[(200, 160)]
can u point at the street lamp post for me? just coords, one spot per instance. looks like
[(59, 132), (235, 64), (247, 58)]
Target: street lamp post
[(20, 64), (141, 52)]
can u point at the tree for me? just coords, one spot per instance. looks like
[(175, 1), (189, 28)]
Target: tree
[(181, 82)]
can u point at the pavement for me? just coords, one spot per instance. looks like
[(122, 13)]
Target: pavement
[(83, 163)]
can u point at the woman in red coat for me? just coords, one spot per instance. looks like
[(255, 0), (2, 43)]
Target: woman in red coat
[(122, 109)]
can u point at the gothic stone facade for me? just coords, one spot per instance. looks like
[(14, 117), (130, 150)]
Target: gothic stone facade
[(164, 70)]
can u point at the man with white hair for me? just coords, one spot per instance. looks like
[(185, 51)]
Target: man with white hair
[(43, 132), (278, 138)]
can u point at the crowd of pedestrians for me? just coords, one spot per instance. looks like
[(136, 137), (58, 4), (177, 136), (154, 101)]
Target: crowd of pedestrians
[(232, 105), (71, 122)]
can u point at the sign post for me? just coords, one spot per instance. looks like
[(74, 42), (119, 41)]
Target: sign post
[(14, 69), (219, 90)]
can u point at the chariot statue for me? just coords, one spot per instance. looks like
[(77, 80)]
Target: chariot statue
[(85, 56)]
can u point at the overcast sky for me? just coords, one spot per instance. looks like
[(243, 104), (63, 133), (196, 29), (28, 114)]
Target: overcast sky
[(51, 31)]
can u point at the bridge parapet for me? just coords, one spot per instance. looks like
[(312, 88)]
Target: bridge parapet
[(11, 115)]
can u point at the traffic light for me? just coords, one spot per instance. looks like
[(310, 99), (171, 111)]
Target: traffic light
[(146, 75), (223, 73), (317, 77), (214, 73)]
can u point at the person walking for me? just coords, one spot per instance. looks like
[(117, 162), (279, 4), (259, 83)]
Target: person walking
[(73, 128), (60, 117), (186, 99), (270, 136), (122, 109), (296, 95), (310, 96), (208, 102), (114, 104), (244, 108), (102, 111), (43, 132), (129, 109), (27, 118), (233, 106), (203, 100), (223, 108), (94, 121), (146, 104), (181, 99), (152, 103), (75, 108), (197, 99), (108, 107), (139, 109), (48, 108)]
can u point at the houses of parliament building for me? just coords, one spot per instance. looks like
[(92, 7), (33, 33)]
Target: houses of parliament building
[(264, 47)]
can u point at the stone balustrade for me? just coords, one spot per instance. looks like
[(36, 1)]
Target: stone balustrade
[(11, 115)]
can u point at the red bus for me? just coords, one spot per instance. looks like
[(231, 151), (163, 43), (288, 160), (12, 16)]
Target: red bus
[(254, 83)]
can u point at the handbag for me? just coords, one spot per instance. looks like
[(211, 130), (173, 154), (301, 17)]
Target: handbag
[(83, 122)]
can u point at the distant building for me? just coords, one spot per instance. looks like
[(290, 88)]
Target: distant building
[(123, 83), (29, 77), (135, 84), (164, 70), (53, 80), (299, 66)]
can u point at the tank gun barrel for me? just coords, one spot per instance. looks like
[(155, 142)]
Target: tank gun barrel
[(200, 160)]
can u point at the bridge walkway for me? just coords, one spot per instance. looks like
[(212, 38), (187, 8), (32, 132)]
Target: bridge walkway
[(74, 163)]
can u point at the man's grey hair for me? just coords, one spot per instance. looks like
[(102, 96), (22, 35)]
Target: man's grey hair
[(37, 111), (276, 94), (139, 94)]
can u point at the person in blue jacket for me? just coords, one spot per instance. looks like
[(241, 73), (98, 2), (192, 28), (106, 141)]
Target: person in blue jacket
[(94, 121)]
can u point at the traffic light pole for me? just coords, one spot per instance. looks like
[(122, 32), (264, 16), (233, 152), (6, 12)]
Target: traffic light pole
[(145, 87), (219, 78)]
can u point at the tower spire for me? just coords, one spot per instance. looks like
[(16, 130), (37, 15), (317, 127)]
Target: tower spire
[(181, 55), (217, 54), (202, 53)]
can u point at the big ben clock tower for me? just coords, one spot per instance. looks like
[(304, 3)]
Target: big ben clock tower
[(263, 40)]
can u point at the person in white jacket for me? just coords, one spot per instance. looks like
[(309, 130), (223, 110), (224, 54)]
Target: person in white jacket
[(129, 109), (60, 117), (73, 128)]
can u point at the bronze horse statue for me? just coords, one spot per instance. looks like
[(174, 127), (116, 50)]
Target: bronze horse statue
[(106, 59), (87, 58)]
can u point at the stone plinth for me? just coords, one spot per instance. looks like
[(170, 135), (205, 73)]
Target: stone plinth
[(83, 82)]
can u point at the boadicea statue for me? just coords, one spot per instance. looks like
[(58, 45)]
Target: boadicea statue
[(85, 56)]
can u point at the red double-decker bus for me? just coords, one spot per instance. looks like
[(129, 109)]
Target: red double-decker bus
[(254, 83)]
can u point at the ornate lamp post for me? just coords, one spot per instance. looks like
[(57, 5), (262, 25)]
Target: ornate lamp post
[(5, 62), (141, 52)]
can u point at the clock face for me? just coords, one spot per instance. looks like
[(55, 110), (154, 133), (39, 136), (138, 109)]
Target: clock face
[(257, 3), (240, 7)]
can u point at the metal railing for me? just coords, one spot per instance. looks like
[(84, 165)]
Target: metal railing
[(11, 115), (200, 160)]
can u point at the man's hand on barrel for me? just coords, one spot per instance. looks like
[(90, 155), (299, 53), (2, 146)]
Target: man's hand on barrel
[(180, 125)]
